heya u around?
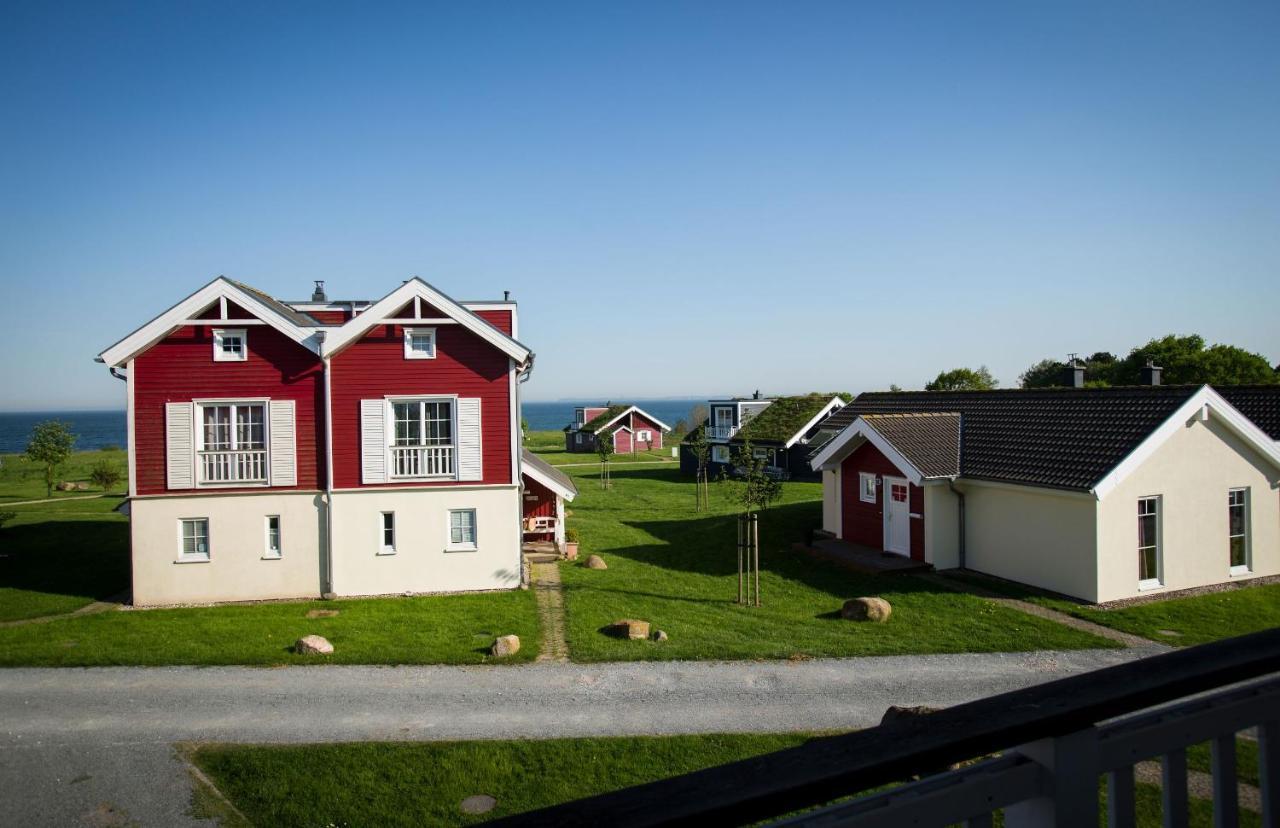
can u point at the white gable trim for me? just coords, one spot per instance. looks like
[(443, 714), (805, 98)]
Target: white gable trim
[(634, 409), (836, 402), (416, 289), (843, 444), (551, 483), (218, 291), (1204, 403)]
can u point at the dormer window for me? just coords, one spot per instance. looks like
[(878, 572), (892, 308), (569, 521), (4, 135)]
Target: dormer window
[(419, 343), (229, 345)]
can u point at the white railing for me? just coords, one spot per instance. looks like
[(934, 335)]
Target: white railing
[(721, 432), (422, 461), (233, 466)]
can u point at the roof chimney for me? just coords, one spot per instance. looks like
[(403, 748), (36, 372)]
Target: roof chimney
[(506, 296), (1073, 373), (318, 294), (756, 395), (1151, 373)]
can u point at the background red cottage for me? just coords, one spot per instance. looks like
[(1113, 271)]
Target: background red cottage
[(863, 523), (639, 422), (374, 367), (180, 368)]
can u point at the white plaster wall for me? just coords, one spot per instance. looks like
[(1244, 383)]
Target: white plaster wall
[(941, 527), (831, 487), (236, 570), (1192, 471), (420, 563), (1033, 536)]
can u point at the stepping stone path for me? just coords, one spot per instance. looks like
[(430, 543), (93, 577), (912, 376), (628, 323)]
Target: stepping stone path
[(550, 598), (322, 613)]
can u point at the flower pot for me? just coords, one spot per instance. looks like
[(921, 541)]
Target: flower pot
[(571, 551)]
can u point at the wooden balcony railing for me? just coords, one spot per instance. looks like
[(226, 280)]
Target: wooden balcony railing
[(1057, 744), (721, 432), (233, 466), (422, 461)]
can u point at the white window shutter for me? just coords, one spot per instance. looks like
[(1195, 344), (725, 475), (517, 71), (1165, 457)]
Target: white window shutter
[(179, 428), (373, 441), (284, 448), (470, 460)]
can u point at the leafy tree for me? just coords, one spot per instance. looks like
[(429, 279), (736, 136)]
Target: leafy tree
[(105, 474), (604, 450), (894, 387), (1099, 370), (753, 489), (50, 445), (700, 448), (963, 379), (1184, 359), (698, 415)]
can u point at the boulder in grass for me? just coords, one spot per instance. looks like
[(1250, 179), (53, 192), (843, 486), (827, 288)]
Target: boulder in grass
[(630, 628), (313, 645), (866, 609), (659, 635), (505, 645), (596, 562)]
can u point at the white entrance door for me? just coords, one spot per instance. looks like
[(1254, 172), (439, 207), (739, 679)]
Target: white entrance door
[(897, 516)]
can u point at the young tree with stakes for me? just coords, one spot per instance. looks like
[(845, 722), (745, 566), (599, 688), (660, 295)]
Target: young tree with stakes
[(50, 445), (604, 449), (701, 451), (753, 490)]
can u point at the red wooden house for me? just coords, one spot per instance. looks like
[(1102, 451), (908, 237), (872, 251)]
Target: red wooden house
[(632, 428)]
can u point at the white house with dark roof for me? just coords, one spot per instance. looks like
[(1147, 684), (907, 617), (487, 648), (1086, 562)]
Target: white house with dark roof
[(1100, 494)]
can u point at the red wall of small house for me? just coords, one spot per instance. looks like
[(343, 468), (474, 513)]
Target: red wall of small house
[(328, 317), (638, 422), (622, 442), (180, 368), (863, 523), (543, 502), (374, 367), (500, 319)]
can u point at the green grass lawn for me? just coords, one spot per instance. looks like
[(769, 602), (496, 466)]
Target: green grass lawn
[(549, 445), (677, 569), (380, 783), (1194, 620), (21, 479)]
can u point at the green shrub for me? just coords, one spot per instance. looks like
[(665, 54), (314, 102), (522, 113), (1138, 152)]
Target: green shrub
[(105, 474), (571, 535)]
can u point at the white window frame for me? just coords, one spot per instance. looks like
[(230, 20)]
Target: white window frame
[(1158, 581), (464, 546), (220, 355), (721, 451), (866, 479), (644, 435), (1246, 567), (194, 557), (409, 334), (383, 547), (453, 444), (198, 407), (271, 553)]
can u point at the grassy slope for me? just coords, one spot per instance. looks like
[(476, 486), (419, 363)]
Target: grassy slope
[(423, 784), (1196, 620), (20, 479), (677, 569), (549, 445)]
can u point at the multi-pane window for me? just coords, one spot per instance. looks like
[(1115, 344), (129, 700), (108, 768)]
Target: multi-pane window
[(388, 532), (229, 345), (233, 447), (423, 442), (1238, 528), (1149, 540), (273, 536), (420, 343), (866, 487), (462, 529), (720, 454), (194, 533)]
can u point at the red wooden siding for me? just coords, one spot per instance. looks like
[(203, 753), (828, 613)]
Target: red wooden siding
[(328, 317), (863, 523), (500, 319), (621, 441), (638, 422), (180, 368), (465, 365), (539, 501)]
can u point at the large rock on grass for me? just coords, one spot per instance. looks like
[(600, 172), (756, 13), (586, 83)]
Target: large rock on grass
[(596, 562), (313, 645), (866, 609), (505, 645), (630, 628)]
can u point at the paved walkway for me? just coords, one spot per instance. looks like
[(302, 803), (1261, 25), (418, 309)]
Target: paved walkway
[(51, 500), (550, 595), (616, 464), (73, 741)]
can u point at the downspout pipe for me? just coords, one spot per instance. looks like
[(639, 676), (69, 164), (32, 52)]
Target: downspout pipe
[(326, 564), (524, 372), (117, 374), (951, 481)]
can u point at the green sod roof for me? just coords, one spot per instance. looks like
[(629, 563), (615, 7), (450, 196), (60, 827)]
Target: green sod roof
[(600, 419), (783, 418)]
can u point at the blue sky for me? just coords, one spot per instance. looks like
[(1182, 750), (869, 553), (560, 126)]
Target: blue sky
[(687, 199)]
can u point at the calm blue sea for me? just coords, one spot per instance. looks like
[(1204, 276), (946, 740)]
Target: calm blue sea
[(96, 429), (93, 429)]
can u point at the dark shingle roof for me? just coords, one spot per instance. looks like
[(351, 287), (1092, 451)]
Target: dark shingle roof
[(1065, 438), (528, 458), (1260, 403), (783, 418), (930, 442), (297, 317)]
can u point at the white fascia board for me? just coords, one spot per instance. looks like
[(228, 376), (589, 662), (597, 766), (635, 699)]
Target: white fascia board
[(172, 319), (665, 428), (832, 454), (836, 402), (1205, 401), (379, 313), (551, 483)]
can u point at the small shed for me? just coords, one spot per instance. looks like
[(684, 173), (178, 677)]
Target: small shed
[(545, 490)]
